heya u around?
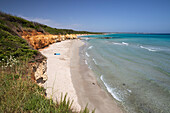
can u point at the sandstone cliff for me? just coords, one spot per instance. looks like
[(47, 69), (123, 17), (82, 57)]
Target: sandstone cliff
[(40, 40)]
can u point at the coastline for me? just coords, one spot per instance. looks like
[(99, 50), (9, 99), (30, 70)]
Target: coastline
[(86, 86), (67, 73)]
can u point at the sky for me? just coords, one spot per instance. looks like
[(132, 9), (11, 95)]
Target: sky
[(151, 16)]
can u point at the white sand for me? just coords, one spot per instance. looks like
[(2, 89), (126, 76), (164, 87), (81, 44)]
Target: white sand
[(58, 70)]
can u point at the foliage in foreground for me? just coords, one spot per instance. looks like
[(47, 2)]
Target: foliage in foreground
[(18, 93)]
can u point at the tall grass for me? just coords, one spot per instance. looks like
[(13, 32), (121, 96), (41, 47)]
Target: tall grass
[(18, 93)]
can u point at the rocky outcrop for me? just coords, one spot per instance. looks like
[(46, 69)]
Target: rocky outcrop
[(39, 71), (39, 40)]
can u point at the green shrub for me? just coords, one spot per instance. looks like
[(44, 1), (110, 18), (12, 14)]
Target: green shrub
[(14, 46), (2, 22)]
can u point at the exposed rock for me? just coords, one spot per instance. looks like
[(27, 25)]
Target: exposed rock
[(39, 40), (39, 71)]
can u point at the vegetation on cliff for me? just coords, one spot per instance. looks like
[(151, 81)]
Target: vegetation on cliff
[(15, 46), (19, 24), (18, 93)]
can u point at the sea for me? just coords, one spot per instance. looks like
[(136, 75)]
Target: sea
[(133, 68)]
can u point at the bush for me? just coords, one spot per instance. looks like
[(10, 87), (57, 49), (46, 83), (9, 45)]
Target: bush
[(14, 46)]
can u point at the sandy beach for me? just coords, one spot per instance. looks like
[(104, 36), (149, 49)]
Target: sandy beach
[(58, 71), (68, 74)]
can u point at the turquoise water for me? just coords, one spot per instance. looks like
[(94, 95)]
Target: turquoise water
[(133, 68)]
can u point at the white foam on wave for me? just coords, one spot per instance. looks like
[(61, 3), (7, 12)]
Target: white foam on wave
[(155, 48), (86, 39), (87, 54), (148, 48), (117, 43), (90, 47), (112, 91), (95, 61), (123, 43)]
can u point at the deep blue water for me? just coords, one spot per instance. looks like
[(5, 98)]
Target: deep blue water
[(133, 68)]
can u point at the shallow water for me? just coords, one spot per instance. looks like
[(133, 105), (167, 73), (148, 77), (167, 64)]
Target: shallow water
[(134, 68)]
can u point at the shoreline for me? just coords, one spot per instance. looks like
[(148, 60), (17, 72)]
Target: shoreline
[(68, 73), (86, 85)]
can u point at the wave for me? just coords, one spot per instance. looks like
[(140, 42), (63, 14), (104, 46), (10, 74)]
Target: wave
[(95, 61), (90, 47), (123, 43), (87, 54), (86, 39), (112, 91), (151, 48), (148, 48)]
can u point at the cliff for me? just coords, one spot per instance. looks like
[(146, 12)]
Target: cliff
[(39, 40)]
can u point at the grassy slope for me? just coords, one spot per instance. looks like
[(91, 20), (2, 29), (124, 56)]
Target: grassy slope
[(17, 92)]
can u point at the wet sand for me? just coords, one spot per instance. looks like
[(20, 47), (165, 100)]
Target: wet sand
[(86, 86)]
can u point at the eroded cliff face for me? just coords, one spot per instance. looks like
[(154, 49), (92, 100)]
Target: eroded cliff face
[(40, 40), (39, 71)]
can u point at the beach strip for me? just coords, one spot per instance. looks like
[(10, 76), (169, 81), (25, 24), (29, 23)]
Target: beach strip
[(58, 72)]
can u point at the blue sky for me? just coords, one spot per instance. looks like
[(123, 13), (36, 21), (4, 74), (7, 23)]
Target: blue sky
[(95, 15)]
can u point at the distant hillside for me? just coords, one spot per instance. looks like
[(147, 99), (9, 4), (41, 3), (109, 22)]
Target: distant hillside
[(16, 25)]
